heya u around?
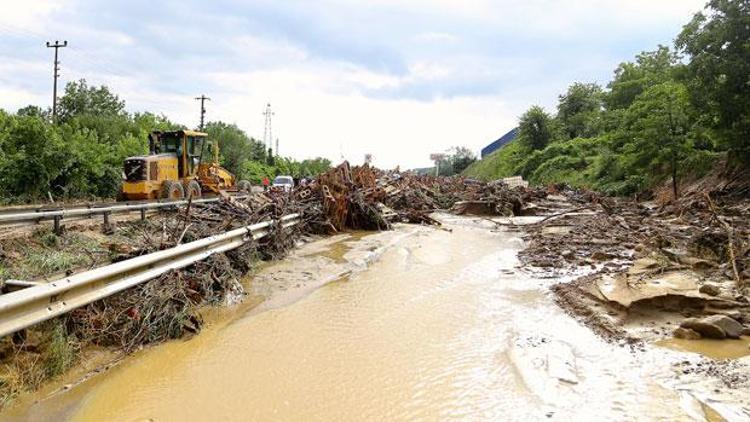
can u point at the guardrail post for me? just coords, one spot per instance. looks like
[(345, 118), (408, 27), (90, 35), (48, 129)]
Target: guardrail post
[(108, 228), (143, 214), (57, 228), (19, 337)]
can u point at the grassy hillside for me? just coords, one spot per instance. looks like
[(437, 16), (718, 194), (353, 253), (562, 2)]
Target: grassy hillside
[(580, 162), (501, 163), (574, 162)]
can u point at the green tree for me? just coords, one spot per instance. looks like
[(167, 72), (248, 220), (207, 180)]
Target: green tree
[(579, 110), (660, 125), (34, 154), (81, 99), (633, 78), (255, 171), (235, 146), (313, 167), (536, 128), (718, 69), (33, 111), (456, 161), (461, 158)]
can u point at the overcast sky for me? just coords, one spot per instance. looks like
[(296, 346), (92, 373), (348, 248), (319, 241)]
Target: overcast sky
[(395, 78)]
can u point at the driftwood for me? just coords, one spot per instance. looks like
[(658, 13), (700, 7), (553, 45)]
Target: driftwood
[(730, 238)]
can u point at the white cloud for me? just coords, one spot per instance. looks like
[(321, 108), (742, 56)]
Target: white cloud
[(441, 38), (320, 111), (28, 13)]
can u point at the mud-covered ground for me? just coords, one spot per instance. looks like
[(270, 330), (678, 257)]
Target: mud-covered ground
[(640, 273), (673, 275)]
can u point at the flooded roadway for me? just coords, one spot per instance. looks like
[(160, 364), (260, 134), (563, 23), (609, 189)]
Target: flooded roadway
[(417, 323)]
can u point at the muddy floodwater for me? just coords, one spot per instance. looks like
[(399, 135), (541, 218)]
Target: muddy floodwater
[(414, 324)]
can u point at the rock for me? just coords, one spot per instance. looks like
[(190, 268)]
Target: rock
[(746, 331), (686, 333), (731, 313), (543, 263), (600, 256), (568, 254), (704, 329), (710, 289), (714, 326)]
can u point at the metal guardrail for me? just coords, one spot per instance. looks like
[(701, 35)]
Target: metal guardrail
[(24, 308), (41, 214)]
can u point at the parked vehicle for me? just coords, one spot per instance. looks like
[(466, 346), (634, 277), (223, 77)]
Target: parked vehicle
[(285, 183)]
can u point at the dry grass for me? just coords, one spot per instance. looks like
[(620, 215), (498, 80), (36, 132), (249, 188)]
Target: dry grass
[(46, 354)]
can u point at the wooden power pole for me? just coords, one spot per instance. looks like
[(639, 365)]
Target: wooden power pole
[(203, 99), (57, 46)]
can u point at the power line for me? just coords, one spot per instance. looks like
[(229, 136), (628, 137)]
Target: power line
[(202, 99), (56, 46)]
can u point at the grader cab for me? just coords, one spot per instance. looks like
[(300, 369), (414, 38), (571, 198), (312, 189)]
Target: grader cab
[(180, 164)]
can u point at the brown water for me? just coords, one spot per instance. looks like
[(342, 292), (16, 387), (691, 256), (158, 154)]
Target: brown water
[(441, 326), (714, 349)]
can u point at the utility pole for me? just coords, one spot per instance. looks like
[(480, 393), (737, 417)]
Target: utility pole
[(56, 68), (203, 99), (267, 131), (277, 147)]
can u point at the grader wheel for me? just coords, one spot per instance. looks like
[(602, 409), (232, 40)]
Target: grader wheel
[(193, 189), (172, 190)]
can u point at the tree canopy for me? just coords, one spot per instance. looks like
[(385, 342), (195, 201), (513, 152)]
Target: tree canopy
[(579, 110), (719, 70), (535, 128)]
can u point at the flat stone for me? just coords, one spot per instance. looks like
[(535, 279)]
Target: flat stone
[(686, 333)]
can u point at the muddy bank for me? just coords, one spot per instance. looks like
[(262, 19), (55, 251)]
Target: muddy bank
[(675, 276), (639, 262)]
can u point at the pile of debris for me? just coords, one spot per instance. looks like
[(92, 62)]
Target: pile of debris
[(345, 197), (686, 263), (366, 198)]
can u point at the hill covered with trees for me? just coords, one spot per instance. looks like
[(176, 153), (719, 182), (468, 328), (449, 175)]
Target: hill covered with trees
[(668, 115)]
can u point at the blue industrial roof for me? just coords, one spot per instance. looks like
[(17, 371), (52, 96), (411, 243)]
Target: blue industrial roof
[(489, 149)]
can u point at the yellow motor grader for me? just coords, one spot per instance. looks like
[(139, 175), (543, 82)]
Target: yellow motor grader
[(180, 164)]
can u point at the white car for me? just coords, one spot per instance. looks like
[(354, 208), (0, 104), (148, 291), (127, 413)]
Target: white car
[(283, 182)]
